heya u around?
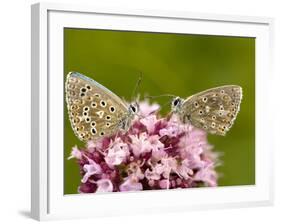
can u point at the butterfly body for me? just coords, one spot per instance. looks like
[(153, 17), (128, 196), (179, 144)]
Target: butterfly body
[(94, 111), (213, 110)]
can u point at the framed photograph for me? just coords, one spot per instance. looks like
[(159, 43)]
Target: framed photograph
[(148, 111)]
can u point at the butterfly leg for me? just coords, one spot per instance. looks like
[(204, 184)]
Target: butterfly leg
[(115, 138), (186, 131), (169, 115)]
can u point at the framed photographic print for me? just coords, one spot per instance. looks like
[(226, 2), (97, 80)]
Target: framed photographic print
[(148, 111)]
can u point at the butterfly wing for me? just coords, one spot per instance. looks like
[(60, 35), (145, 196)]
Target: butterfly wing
[(94, 111), (213, 110)]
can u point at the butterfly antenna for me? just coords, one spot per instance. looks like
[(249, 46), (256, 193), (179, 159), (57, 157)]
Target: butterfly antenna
[(136, 89), (162, 95), (160, 108)]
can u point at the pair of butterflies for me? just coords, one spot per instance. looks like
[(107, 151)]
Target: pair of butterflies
[(94, 111)]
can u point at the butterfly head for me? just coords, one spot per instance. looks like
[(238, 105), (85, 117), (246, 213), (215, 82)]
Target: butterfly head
[(176, 104), (125, 123)]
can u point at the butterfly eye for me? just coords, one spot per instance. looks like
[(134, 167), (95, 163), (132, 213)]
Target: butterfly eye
[(102, 133), (108, 117), (93, 124), (222, 91), (133, 108), (97, 95), (82, 94), (200, 112), (107, 124), (88, 119), (214, 117), (88, 87), (177, 101)]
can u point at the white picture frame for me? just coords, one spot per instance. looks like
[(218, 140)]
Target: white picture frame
[(48, 200)]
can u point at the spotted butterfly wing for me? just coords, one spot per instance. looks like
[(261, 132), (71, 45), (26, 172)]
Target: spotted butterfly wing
[(94, 111), (213, 110)]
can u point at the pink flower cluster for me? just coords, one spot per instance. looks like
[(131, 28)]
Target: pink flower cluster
[(156, 153)]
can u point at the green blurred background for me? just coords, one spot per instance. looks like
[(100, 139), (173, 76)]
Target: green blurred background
[(178, 64)]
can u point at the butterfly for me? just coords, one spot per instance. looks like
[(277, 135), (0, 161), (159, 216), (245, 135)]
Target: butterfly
[(213, 110), (94, 111)]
